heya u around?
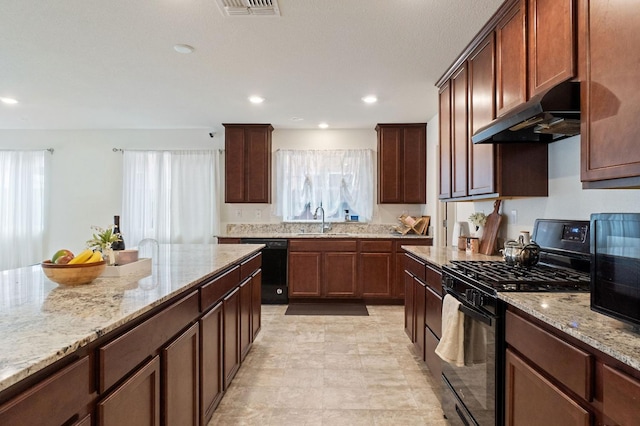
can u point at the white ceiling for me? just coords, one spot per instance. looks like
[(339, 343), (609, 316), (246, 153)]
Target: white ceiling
[(95, 64)]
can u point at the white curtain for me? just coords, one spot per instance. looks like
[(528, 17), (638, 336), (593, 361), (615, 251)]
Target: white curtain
[(337, 179), (171, 196), (22, 205)]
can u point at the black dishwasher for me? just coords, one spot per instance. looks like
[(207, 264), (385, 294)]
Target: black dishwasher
[(274, 269)]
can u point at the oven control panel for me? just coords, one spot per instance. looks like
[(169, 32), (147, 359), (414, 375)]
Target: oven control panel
[(575, 233)]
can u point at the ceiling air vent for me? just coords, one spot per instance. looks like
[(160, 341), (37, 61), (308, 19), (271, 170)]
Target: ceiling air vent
[(249, 7)]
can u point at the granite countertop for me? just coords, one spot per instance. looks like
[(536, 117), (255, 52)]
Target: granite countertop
[(290, 230), (329, 234), (572, 314), (41, 322), (439, 256)]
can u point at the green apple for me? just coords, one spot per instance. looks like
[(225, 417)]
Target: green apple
[(57, 256)]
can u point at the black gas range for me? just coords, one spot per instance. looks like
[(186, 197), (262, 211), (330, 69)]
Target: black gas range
[(495, 276), (474, 394)]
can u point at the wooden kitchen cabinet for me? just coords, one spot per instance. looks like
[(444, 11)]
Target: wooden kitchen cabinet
[(305, 273), (514, 170), (246, 332), (415, 301), (526, 48), (444, 117), (423, 310), (376, 267), (248, 163), (459, 133), (551, 43), (181, 379), (398, 284), (65, 395), (533, 400), (620, 396), (211, 345), (481, 157), (231, 336), (402, 157), (511, 59), (256, 304), (136, 401), (610, 157), (325, 269)]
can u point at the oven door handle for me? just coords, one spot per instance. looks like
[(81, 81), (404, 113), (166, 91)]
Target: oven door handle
[(475, 314)]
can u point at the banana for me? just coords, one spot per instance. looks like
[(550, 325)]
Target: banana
[(81, 258), (95, 257)]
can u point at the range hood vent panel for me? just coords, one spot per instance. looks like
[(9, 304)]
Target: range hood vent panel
[(549, 117)]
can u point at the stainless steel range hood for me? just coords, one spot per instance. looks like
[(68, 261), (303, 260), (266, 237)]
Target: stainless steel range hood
[(549, 117)]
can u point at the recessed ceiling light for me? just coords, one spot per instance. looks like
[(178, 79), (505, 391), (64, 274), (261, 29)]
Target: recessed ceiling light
[(9, 101), (370, 99), (256, 99), (183, 48), (323, 125)]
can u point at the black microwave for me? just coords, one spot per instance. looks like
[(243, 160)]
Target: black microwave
[(615, 265)]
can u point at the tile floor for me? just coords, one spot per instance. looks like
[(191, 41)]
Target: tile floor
[(331, 370)]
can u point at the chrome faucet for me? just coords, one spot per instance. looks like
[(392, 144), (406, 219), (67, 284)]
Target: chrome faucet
[(315, 217)]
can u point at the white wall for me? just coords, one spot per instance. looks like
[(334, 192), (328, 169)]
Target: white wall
[(566, 200)]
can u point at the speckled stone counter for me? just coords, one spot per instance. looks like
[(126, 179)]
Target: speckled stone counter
[(439, 256), (291, 230), (571, 313), (41, 322)]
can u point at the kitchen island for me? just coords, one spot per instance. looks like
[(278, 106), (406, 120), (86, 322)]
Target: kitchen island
[(45, 327)]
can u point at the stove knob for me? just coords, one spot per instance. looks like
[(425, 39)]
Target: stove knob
[(471, 295)]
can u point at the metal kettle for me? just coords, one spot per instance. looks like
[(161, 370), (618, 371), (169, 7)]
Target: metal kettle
[(517, 253)]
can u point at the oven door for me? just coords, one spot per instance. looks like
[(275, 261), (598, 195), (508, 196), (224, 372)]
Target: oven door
[(469, 392)]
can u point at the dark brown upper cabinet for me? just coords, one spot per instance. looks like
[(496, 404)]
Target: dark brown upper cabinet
[(481, 112), (526, 48), (402, 163), (247, 163), (610, 94), (552, 43), (444, 117), (459, 132), (511, 59)]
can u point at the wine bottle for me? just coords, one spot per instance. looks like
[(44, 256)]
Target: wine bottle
[(117, 245)]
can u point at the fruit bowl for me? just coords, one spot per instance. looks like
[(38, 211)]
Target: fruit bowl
[(82, 273)]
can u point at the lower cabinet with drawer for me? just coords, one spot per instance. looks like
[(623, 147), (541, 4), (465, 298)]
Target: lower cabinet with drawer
[(423, 310), (63, 398), (553, 379)]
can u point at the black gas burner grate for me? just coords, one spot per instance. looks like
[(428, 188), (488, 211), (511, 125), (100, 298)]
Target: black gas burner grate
[(503, 277)]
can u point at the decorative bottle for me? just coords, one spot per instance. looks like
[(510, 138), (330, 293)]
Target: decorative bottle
[(117, 245)]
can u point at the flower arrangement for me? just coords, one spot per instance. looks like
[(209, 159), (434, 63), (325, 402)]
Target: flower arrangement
[(102, 241), (478, 219), (103, 238)]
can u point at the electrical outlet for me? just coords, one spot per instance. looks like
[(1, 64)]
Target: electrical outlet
[(514, 216), (258, 214), (238, 213)]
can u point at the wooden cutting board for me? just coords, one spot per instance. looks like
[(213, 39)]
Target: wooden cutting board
[(491, 227)]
